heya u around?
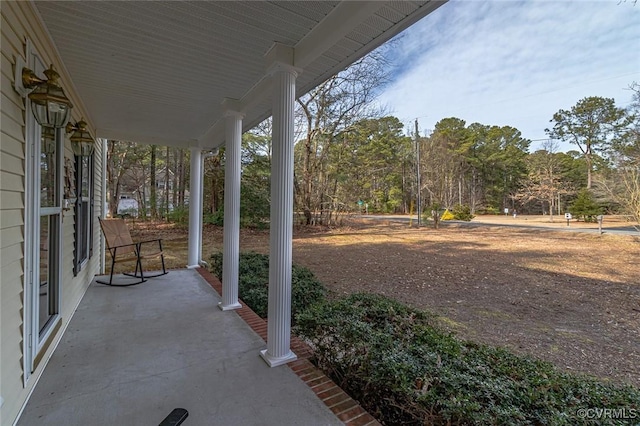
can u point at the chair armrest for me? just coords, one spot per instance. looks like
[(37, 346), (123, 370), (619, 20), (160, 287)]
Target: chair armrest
[(157, 240), (123, 245)]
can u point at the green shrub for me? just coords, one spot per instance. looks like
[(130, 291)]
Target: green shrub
[(585, 207), (255, 208), (433, 212), (462, 212), (216, 218), (178, 215), (405, 370), (253, 283), (489, 211)]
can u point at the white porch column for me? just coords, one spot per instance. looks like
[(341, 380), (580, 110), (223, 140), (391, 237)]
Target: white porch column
[(231, 237), (195, 208), (278, 350)]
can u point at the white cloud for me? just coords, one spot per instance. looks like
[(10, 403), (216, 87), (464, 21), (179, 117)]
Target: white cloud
[(514, 63)]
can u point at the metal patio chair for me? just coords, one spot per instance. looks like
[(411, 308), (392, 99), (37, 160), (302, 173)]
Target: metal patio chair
[(123, 249)]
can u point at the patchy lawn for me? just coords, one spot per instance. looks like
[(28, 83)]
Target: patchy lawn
[(570, 298)]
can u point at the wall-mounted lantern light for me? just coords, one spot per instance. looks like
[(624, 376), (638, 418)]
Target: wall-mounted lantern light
[(49, 104), (81, 141)]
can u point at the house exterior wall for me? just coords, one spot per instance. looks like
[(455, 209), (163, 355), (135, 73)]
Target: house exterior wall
[(19, 22)]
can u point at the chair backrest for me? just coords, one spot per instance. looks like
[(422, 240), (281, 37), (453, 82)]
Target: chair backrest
[(117, 233)]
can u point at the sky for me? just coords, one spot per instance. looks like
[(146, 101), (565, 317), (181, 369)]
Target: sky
[(513, 63)]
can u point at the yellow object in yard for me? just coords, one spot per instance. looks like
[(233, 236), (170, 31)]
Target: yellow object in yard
[(447, 215)]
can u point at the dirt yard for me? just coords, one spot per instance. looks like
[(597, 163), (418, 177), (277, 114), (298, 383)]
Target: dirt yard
[(570, 298)]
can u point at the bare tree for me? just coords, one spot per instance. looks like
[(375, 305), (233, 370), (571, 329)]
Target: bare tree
[(116, 160), (166, 181), (631, 182), (153, 193), (544, 182), (623, 183), (623, 187), (324, 115), (122, 157)]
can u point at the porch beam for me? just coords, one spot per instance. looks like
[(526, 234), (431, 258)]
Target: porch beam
[(231, 236), (195, 208), (342, 20), (283, 76), (107, 133)]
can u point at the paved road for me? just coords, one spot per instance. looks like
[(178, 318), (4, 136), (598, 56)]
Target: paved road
[(574, 227)]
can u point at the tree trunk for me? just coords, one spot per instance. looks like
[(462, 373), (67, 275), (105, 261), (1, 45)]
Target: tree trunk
[(166, 185), (587, 158), (176, 176), (308, 185), (182, 178), (114, 187), (115, 171), (152, 176)]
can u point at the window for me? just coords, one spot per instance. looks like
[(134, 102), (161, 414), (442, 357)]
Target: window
[(84, 212)]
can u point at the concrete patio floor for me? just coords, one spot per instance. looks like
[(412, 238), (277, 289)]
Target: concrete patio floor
[(132, 354)]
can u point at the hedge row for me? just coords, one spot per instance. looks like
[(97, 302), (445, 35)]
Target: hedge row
[(253, 283), (406, 371)]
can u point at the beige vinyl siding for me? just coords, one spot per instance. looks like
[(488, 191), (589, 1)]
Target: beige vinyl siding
[(11, 146), (11, 344), (11, 230), (9, 181), (10, 254), (99, 197), (11, 129), (9, 109), (11, 199), (19, 23), (11, 164)]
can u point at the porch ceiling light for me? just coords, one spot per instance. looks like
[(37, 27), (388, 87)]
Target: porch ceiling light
[(81, 140), (49, 104)]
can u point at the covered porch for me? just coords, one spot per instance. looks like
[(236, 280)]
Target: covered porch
[(188, 74), (198, 74), (132, 354)]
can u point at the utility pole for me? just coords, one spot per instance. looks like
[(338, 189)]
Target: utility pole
[(418, 171)]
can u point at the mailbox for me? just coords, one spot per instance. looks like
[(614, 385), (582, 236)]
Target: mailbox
[(567, 216)]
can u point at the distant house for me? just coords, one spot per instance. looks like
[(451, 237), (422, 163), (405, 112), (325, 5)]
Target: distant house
[(161, 179), (127, 206)]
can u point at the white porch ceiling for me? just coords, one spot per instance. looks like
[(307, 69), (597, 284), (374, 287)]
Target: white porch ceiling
[(158, 71)]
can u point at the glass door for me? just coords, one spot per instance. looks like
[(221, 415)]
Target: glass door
[(50, 212)]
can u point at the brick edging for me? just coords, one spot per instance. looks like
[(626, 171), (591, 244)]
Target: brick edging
[(338, 401)]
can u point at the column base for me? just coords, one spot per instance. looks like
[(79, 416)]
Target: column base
[(276, 361), (193, 266), (231, 307)]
